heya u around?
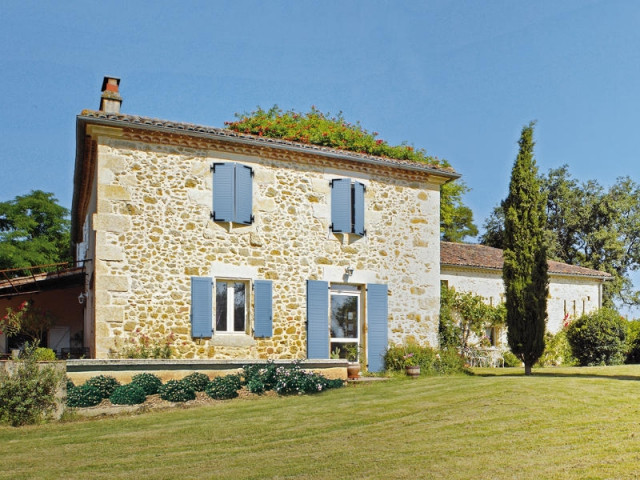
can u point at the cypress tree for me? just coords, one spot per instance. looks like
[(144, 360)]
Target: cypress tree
[(525, 257)]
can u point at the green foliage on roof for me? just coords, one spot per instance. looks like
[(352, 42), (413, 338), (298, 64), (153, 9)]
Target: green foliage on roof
[(317, 128)]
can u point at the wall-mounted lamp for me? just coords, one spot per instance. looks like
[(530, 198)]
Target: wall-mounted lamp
[(82, 297), (348, 271)]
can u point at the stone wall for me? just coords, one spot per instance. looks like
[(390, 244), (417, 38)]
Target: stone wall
[(573, 295), (153, 231)]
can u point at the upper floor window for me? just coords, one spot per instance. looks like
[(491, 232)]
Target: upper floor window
[(347, 206), (232, 193)]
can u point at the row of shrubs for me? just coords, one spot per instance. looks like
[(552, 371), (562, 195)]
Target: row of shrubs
[(431, 361), (285, 380), (601, 337)]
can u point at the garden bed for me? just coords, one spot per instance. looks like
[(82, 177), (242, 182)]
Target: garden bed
[(154, 402)]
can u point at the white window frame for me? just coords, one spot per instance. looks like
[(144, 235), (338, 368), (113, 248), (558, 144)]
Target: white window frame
[(230, 306)]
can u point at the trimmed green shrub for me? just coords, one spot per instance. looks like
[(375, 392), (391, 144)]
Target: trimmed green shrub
[(149, 382), (176, 391), (83, 396), (633, 342), (448, 362), (196, 380), (105, 384), (260, 378), (27, 395), (510, 360), (294, 380), (223, 388), (42, 354), (598, 338), (129, 394), (557, 351), (70, 383)]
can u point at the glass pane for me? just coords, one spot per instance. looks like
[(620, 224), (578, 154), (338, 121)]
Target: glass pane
[(340, 350), (221, 306), (239, 307), (344, 316)]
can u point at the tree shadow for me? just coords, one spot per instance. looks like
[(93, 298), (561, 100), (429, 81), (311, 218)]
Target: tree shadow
[(552, 374)]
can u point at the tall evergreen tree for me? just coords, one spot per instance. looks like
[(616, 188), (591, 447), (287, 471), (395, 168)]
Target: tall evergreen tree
[(525, 257)]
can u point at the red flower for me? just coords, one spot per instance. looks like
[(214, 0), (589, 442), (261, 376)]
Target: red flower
[(379, 142)]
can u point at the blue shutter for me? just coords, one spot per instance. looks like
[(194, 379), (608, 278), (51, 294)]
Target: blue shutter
[(263, 308), (243, 195), (377, 328), (201, 307), (317, 319), (358, 208), (341, 205), (223, 187)]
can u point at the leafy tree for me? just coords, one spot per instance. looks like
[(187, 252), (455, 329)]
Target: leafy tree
[(315, 127), (456, 219), (525, 257), (34, 230), (589, 226)]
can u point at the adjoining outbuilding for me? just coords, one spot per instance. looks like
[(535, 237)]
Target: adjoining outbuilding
[(573, 290)]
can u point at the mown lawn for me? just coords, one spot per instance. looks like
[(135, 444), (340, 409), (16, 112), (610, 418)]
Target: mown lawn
[(572, 423)]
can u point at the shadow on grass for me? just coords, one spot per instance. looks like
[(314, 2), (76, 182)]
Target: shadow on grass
[(556, 374)]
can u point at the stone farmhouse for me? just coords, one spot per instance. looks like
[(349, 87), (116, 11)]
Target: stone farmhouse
[(244, 247), (573, 290)]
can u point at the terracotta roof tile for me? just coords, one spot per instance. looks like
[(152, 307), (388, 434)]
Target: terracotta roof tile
[(481, 256)]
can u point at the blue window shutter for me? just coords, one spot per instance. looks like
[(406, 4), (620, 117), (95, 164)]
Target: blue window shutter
[(358, 208), (263, 308), (243, 195), (377, 328), (341, 205), (223, 191), (317, 319), (201, 307)]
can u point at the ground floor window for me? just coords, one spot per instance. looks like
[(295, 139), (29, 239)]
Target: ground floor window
[(231, 306), (345, 322)]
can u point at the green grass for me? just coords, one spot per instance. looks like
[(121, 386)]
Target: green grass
[(572, 423)]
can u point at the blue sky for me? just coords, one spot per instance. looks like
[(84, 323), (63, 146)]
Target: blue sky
[(458, 78)]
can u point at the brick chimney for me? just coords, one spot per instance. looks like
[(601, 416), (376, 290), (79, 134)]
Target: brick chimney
[(110, 100)]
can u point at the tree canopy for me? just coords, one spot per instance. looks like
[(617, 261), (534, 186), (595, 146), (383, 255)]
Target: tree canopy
[(34, 230), (315, 127), (589, 226), (525, 256)]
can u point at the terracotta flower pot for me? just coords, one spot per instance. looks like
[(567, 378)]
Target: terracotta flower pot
[(413, 371), (353, 370)]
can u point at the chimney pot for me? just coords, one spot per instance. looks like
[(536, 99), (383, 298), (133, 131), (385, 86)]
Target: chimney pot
[(110, 100)]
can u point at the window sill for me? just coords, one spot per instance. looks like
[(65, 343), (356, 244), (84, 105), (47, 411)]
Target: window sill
[(232, 340)]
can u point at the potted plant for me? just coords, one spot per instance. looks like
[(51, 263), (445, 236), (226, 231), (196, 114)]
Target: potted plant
[(353, 369), (411, 366)]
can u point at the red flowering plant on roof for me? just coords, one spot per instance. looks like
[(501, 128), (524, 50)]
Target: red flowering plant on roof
[(322, 129)]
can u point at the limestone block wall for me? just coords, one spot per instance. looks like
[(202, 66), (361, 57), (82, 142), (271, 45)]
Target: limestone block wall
[(153, 231), (571, 295)]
